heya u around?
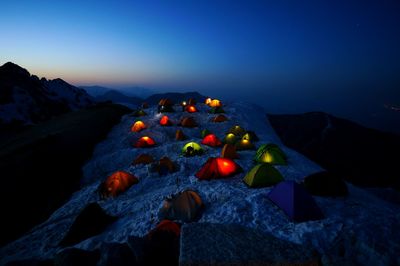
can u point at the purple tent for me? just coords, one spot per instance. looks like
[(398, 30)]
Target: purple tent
[(294, 200)]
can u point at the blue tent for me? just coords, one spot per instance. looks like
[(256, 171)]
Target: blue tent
[(294, 200)]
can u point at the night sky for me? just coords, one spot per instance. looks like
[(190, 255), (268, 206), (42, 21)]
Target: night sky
[(289, 56)]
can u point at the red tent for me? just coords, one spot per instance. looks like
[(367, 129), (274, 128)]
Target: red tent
[(211, 140), (165, 226), (218, 168), (191, 109), (164, 121), (117, 183), (145, 142)]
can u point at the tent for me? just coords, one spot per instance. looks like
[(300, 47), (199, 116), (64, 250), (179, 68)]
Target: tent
[(219, 118), (139, 113), (251, 136), (117, 183), (230, 138), (325, 184), (244, 145), (218, 168), (270, 153), (216, 110), (215, 103), (192, 149), (294, 200), (262, 175), (143, 159), (185, 206), (165, 166), (165, 105), (138, 126), (144, 142), (237, 131), (208, 101), (229, 151), (188, 122), (179, 135), (211, 140), (205, 132), (165, 121), (165, 226), (191, 109)]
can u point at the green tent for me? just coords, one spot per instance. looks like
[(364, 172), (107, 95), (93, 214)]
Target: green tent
[(237, 130), (216, 110), (139, 113), (244, 145), (250, 135), (204, 133), (192, 149), (230, 138), (262, 175), (270, 153)]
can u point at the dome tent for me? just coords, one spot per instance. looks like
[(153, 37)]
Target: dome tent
[(165, 121), (117, 183), (229, 151), (219, 118), (244, 144), (230, 138), (188, 122), (143, 159), (251, 136), (138, 126), (237, 131), (262, 175), (165, 105), (294, 200), (144, 142), (192, 149), (270, 153), (185, 206), (211, 140), (216, 168), (179, 135)]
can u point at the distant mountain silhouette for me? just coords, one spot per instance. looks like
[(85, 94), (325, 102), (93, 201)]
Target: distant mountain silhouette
[(24, 99), (363, 156), (139, 92), (118, 97), (95, 91), (175, 97)]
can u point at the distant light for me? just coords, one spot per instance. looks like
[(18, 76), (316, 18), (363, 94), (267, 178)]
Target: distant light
[(184, 103)]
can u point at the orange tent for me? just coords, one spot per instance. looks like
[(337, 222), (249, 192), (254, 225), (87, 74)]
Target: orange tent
[(208, 101), (219, 118), (188, 122), (215, 103), (145, 142), (211, 140), (143, 159), (138, 126), (229, 151), (216, 168), (179, 135), (165, 121), (117, 183), (191, 109)]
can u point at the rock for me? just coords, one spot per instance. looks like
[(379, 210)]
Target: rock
[(91, 221), (75, 256), (218, 244), (30, 262)]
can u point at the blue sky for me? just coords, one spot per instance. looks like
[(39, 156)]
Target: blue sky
[(297, 53)]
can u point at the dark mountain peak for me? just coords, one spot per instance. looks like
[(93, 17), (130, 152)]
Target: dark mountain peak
[(11, 69), (175, 97)]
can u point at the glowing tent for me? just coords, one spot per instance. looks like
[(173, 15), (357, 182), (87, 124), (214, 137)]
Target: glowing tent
[(138, 126), (251, 136), (219, 118), (270, 153), (262, 175), (165, 121), (237, 130), (188, 122), (325, 184), (208, 101), (294, 200), (230, 138), (215, 103), (191, 109), (229, 151), (211, 140), (143, 159), (144, 142), (117, 183), (192, 149), (185, 206), (216, 168), (179, 135), (244, 144)]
